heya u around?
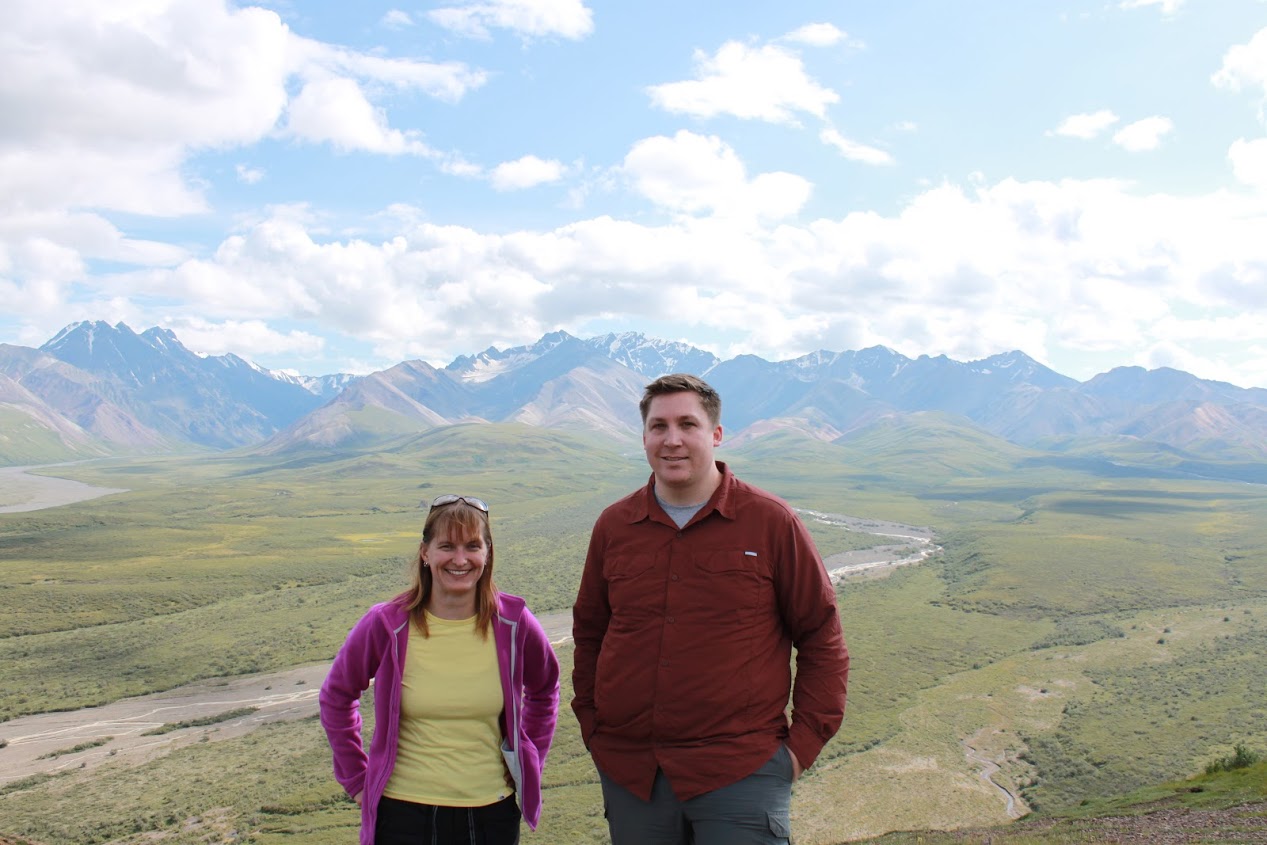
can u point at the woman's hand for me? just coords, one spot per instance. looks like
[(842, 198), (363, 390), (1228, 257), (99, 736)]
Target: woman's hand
[(358, 796)]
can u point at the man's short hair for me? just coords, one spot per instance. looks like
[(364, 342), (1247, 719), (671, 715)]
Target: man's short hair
[(683, 383)]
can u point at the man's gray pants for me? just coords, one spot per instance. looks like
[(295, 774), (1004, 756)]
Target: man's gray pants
[(752, 811)]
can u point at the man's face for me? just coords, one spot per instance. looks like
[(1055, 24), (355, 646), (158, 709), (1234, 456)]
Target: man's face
[(679, 439)]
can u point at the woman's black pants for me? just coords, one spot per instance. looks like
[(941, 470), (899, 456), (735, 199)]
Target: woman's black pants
[(407, 823)]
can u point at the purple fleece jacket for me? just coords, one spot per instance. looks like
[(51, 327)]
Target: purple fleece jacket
[(375, 649)]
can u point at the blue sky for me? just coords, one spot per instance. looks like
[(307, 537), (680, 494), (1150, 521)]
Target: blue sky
[(336, 187)]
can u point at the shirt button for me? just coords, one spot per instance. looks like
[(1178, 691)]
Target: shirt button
[(669, 620), (664, 663), (674, 577)]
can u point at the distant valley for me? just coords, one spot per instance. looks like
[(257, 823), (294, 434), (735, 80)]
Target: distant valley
[(1089, 621)]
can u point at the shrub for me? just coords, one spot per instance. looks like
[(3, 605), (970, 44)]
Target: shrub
[(1240, 758)]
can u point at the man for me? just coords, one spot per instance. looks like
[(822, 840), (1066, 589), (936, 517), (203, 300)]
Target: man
[(695, 589)]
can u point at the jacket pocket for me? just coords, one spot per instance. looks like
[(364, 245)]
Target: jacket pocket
[(512, 765)]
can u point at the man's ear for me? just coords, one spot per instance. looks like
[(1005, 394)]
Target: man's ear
[(717, 435)]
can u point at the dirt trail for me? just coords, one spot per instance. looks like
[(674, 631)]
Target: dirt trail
[(1013, 805)]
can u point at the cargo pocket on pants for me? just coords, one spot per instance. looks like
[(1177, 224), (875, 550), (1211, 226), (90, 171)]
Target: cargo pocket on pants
[(780, 825)]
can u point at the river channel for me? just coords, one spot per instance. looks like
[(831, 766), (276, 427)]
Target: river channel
[(21, 491)]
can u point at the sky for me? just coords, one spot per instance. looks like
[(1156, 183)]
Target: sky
[(327, 187)]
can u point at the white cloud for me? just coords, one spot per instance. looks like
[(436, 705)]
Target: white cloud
[(447, 81), (397, 19), (1249, 161), (56, 245), (250, 339), (526, 172), (531, 18), (817, 35), (1086, 125), (853, 150), (754, 83), (336, 111), (1244, 64), (1168, 7), (1143, 135), (248, 175), (965, 271), (1177, 356), (105, 102), (694, 173), (72, 174), (456, 165)]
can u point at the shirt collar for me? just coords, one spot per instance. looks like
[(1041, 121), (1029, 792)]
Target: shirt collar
[(646, 506)]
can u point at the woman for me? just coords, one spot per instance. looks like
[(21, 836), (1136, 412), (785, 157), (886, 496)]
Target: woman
[(462, 719)]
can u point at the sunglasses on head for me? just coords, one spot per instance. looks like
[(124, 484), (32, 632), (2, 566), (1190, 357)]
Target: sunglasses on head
[(449, 498)]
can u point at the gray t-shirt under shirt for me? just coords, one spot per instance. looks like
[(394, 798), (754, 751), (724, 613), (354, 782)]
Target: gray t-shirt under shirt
[(681, 514)]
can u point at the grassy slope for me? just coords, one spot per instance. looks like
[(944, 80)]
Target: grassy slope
[(23, 442), (1035, 637), (1219, 807)]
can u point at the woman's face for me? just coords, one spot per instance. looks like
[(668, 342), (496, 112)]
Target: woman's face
[(456, 565)]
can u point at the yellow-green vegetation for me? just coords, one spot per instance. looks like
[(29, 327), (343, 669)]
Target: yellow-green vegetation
[(1088, 630), (23, 441)]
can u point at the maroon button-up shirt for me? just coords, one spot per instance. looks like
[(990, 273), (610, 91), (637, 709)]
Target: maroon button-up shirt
[(684, 640)]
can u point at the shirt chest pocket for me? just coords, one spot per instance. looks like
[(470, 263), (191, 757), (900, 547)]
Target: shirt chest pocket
[(738, 579), (634, 584)]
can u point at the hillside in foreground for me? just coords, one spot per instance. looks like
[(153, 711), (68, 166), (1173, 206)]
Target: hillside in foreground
[(1224, 806)]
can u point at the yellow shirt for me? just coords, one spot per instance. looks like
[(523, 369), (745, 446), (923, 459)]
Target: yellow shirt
[(449, 749)]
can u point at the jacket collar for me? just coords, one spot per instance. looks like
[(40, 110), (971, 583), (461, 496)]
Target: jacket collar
[(509, 607)]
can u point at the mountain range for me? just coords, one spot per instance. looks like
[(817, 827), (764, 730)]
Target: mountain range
[(96, 389)]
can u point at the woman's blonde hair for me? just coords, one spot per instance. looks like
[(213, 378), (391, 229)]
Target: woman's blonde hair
[(459, 522)]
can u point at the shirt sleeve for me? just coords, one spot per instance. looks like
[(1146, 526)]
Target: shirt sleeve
[(541, 686), (340, 702), (807, 601), (590, 616)]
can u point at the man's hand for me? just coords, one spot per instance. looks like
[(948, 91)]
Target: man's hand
[(358, 796), (797, 769)]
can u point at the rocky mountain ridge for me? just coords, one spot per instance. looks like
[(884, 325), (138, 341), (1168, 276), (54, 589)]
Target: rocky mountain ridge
[(98, 389)]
